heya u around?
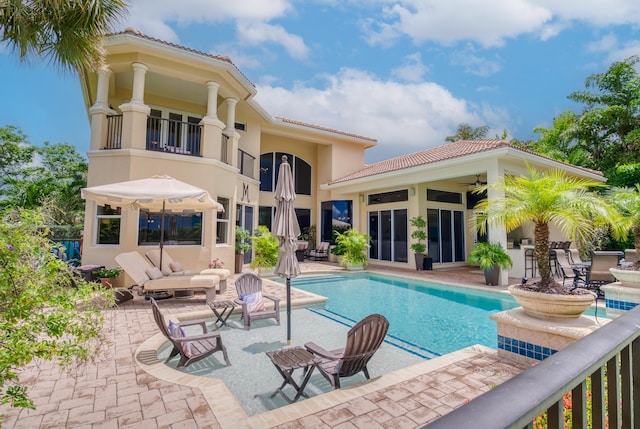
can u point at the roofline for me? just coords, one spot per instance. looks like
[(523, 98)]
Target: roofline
[(499, 152)]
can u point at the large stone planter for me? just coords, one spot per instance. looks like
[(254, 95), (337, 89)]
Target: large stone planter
[(628, 278), (548, 306)]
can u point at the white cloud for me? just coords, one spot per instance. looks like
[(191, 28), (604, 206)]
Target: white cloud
[(152, 17), (605, 44), (403, 117), (412, 70), (473, 63)]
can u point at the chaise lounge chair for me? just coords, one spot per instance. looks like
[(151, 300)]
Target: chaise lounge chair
[(170, 267), (568, 272), (250, 297), (149, 278), (363, 340), (190, 348), (601, 261)]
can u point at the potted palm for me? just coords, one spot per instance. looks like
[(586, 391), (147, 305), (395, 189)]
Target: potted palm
[(419, 234), (266, 250), (627, 200), (242, 246), (490, 257), (354, 245), (544, 198)]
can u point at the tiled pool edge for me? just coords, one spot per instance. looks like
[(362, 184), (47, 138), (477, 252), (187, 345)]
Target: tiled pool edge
[(230, 414)]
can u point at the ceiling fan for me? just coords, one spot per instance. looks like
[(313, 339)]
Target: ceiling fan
[(477, 183)]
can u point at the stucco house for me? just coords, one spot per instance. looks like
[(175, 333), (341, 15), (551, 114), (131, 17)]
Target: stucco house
[(160, 108)]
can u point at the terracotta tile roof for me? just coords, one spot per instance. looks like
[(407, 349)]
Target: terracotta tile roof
[(319, 127), (432, 155), (134, 32)]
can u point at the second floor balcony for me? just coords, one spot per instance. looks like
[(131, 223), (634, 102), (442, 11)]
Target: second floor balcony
[(177, 137)]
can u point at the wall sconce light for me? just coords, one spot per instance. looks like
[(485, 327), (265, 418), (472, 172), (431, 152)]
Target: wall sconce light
[(361, 198), (412, 192)]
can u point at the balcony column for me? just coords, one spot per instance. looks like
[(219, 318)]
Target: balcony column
[(100, 110), (135, 112), (230, 131), (212, 126)]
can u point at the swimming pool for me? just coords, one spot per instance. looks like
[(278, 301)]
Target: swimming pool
[(427, 319)]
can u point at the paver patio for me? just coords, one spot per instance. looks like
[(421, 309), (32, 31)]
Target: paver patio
[(117, 393)]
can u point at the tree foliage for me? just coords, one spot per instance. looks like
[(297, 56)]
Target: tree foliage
[(467, 132), (49, 176), (44, 314), (67, 33), (546, 198)]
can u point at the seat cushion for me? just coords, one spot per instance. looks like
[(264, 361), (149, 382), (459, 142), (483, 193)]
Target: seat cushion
[(254, 301), (177, 331)]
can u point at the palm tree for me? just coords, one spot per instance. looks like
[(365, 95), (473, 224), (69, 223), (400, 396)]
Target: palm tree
[(627, 200), (545, 198), (467, 132), (68, 33)]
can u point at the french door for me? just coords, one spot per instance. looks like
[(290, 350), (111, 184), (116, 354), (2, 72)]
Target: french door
[(446, 231)]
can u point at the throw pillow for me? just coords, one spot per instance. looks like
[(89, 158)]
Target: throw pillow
[(254, 301), (176, 331), (176, 266), (154, 273)]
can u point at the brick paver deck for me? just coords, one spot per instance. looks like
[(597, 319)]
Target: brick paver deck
[(117, 393)]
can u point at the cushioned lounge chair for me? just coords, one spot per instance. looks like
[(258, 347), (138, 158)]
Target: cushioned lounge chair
[(149, 278), (601, 261), (191, 348), (170, 267), (321, 252), (567, 271), (363, 340), (251, 298)]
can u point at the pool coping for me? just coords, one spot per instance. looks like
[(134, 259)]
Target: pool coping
[(230, 414)]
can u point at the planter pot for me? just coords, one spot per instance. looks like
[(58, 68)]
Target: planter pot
[(419, 261), (628, 278), (266, 271), (492, 275), (427, 264), (239, 262), (354, 267), (547, 306), (107, 283)]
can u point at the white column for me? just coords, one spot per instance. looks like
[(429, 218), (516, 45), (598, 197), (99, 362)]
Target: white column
[(102, 95), (139, 72), (497, 233), (231, 114), (212, 99)]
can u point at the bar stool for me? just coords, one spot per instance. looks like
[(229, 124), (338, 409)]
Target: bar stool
[(529, 263)]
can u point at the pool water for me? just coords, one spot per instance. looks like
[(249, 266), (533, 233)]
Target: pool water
[(427, 319)]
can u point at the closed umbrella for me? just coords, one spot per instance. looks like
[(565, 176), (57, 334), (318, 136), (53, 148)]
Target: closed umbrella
[(286, 228), (157, 193)]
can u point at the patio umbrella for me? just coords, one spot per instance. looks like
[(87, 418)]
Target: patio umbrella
[(286, 228), (156, 193)]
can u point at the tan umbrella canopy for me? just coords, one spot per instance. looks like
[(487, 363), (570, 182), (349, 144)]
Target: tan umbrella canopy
[(157, 193), (286, 228)]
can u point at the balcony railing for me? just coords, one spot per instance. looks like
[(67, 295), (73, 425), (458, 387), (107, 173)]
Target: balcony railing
[(246, 163), (114, 132), (168, 135), (601, 371)]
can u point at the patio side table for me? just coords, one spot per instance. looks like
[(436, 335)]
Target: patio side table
[(288, 360), (222, 310)]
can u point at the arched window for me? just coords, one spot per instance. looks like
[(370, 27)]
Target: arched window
[(269, 165)]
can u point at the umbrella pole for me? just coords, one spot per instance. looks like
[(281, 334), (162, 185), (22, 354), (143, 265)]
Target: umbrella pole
[(288, 311), (161, 233)]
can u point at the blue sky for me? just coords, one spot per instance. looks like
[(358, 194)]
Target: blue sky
[(405, 72)]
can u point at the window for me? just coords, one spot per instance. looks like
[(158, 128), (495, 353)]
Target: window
[(446, 230), (335, 216), (179, 228), (265, 216), (244, 219), (270, 164), (222, 224), (108, 225), (304, 219), (388, 197), (389, 235), (444, 196)]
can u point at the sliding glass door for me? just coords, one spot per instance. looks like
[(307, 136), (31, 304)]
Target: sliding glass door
[(446, 231)]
